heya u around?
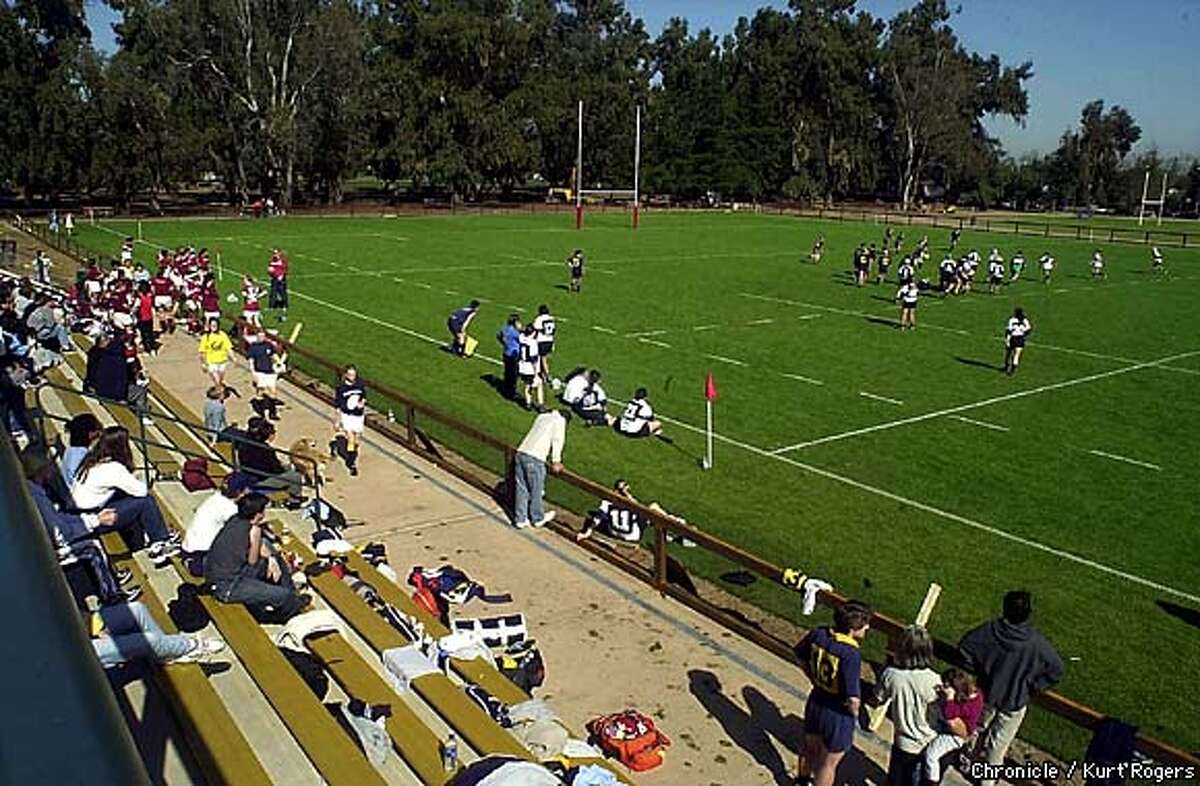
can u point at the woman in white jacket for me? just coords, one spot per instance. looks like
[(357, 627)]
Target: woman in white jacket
[(105, 480)]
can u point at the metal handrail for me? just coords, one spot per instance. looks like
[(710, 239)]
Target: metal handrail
[(63, 723)]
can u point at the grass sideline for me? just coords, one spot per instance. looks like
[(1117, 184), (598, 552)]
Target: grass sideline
[(1032, 498)]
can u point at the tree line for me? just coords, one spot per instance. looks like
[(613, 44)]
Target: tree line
[(293, 99)]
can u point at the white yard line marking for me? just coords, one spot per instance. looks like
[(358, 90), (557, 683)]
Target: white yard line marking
[(1126, 459), (451, 291), (766, 321), (723, 359), (980, 423), (884, 399), (809, 316), (845, 312), (646, 333), (698, 328), (651, 341), (601, 329), (422, 286), (986, 402), (801, 378)]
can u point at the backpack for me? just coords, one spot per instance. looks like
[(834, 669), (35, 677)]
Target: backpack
[(631, 738), (309, 669), (195, 475), (496, 709), (523, 665)]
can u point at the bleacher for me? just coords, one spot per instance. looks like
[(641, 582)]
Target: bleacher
[(254, 719)]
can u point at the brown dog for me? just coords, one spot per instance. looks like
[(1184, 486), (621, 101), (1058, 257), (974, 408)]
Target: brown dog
[(309, 460)]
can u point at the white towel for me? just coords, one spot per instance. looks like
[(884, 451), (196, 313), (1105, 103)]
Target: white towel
[(304, 625), (810, 590)]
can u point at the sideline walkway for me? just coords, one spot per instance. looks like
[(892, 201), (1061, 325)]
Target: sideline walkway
[(732, 710)]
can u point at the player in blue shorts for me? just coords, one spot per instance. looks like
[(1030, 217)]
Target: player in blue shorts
[(831, 659)]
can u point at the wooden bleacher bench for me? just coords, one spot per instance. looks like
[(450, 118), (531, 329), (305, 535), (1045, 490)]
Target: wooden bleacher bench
[(454, 706), (181, 435), (212, 736)]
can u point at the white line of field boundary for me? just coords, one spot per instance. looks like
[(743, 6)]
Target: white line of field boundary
[(723, 359), (980, 423), (1126, 459), (985, 402), (999, 533), (875, 397), (800, 378), (844, 312)]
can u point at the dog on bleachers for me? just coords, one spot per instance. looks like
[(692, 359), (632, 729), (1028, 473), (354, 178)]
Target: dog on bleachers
[(309, 461)]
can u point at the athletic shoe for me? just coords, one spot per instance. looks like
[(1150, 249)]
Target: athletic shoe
[(354, 471), (522, 525), (123, 575), (126, 595), (160, 553), (546, 519), (202, 650)]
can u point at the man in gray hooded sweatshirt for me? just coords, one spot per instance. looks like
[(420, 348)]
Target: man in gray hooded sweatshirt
[(1013, 660)]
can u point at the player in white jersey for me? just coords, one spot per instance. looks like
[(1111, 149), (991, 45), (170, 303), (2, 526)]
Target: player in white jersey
[(817, 250), (546, 327), (1157, 263), (1047, 264), (529, 368), (1098, 270), (1015, 333), (638, 418), (1016, 265), (995, 272), (907, 297)]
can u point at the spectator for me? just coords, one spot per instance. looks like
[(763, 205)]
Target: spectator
[(14, 379), (242, 567), (913, 688), (214, 411), (215, 347), (638, 418), (459, 323), (260, 460), (1013, 661), (261, 352), (510, 342), (208, 519), (145, 317), (277, 271), (45, 321), (105, 480), (126, 632), (108, 375), (962, 705), (71, 533), (544, 443), (831, 660), (82, 431)]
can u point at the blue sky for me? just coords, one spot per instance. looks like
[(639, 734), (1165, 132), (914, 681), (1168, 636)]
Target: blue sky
[(1141, 54)]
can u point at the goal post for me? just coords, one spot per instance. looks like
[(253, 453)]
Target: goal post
[(1152, 203), (633, 195)]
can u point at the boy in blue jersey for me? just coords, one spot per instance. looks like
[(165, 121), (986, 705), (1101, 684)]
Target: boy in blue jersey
[(830, 658)]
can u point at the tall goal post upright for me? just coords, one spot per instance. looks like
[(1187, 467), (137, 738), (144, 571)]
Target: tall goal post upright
[(609, 193), (579, 172), (637, 168), (1153, 203)]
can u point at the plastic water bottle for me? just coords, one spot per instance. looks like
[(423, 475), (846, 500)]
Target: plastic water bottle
[(450, 753), (391, 416)]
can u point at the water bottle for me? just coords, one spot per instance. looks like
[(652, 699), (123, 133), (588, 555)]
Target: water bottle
[(450, 753), (391, 416)]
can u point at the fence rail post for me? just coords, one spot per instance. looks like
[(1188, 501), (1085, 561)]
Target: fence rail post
[(410, 424), (660, 558), (510, 479)]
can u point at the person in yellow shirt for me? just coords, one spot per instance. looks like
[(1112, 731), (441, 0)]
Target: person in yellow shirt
[(215, 347)]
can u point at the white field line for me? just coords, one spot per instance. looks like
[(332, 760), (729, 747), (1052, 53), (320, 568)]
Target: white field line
[(699, 328), (646, 334), (1126, 459), (844, 311), (764, 321), (884, 399), (652, 342), (801, 378), (980, 423), (986, 402), (723, 359), (762, 452), (602, 329)]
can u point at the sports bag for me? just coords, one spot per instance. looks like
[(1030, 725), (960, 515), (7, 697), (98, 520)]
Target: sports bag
[(631, 738), (195, 475), (523, 665)]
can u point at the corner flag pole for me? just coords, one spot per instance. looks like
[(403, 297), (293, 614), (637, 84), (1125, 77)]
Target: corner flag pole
[(710, 395), (637, 167), (579, 173)]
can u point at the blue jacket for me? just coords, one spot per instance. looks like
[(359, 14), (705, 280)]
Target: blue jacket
[(63, 527), (510, 337)]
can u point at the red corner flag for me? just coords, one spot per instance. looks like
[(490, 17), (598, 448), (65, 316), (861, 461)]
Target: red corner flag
[(710, 395), (710, 387)]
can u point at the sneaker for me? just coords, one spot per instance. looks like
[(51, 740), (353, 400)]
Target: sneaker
[(521, 524), (546, 519), (126, 595), (201, 650), (123, 575), (354, 471)]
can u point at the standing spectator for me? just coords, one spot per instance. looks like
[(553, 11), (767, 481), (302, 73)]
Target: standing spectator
[(214, 412), (1013, 661), (210, 517), (108, 375), (350, 398), (831, 660), (262, 361), (542, 445), (912, 687), (638, 418), (69, 224), (126, 632), (510, 342), (53, 221), (41, 267), (215, 347), (277, 271), (458, 323), (962, 705), (145, 318), (105, 480), (242, 567)]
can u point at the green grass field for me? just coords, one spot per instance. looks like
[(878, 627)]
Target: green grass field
[(877, 459)]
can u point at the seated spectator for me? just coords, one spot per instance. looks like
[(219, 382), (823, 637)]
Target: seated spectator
[(242, 567), (126, 632), (71, 533), (14, 379), (261, 461), (105, 480), (638, 418), (210, 517), (961, 707), (592, 404), (45, 321), (82, 431)]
